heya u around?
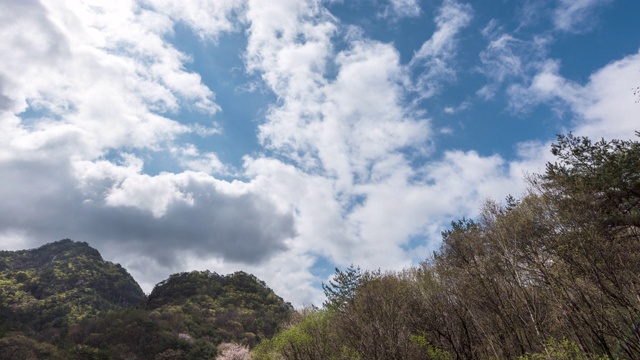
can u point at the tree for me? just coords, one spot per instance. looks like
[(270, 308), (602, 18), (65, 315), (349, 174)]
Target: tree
[(232, 351), (380, 321), (600, 180), (342, 287), (594, 190), (310, 335)]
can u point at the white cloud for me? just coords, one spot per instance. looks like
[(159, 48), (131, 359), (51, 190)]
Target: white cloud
[(86, 84), (403, 8), (436, 54), (452, 17), (206, 162), (508, 58), (576, 15), (190, 158), (337, 132), (350, 182), (456, 109), (85, 65), (339, 125), (208, 18), (499, 57), (603, 107)]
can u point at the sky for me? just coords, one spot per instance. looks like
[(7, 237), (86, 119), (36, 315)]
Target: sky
[(285, 138)]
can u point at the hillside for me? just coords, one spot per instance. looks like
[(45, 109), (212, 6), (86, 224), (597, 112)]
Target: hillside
[(240, 307), (63, 301), (59, 284)]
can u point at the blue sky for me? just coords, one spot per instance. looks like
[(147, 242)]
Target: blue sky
[(286, 138)]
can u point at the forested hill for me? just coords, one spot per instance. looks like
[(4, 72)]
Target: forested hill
[(59, 284), (63, 301)]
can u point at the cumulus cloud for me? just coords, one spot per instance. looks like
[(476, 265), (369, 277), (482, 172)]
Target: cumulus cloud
[(336, 131), (160, 216), (603, 107), (82, 67), (208, 18), (348, 173), (86, 87)]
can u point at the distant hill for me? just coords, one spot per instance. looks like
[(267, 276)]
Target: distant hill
[(63, 301), (59, 284), (239, 306)]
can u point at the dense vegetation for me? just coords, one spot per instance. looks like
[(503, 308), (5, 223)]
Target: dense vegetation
[(236, 307), (58, 285), (553, 275), (63, 301)]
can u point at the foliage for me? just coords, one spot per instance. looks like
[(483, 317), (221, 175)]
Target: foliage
[(59, 284), (342, 287), (598, 179), (237, 307), (432, 352), (16, 346), (309, 335), (186, 317), (563, 350)]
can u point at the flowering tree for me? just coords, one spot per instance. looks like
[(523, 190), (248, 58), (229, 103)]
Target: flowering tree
[(232, 351)]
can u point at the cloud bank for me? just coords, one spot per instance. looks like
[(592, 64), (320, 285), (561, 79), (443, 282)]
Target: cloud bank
[(106, 131)]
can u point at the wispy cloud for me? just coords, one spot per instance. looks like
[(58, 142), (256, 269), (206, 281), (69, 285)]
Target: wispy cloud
[(342, 141), (403, 8), (508, 58), (576, 15), (460, 107), (435, 55)]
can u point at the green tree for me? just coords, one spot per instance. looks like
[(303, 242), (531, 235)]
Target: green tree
[(594, 189), (342, 287), (600, 180), (310, 335)]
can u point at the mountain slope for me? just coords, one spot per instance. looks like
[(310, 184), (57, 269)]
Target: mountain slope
[(59, 284), (239, 306)]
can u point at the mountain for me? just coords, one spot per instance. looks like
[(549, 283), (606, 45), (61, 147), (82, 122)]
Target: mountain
[(240, 307), (186, 316), (63, 301), (59, 284)]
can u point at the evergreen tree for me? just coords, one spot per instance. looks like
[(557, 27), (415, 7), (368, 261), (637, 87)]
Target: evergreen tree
[(342, 287)]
